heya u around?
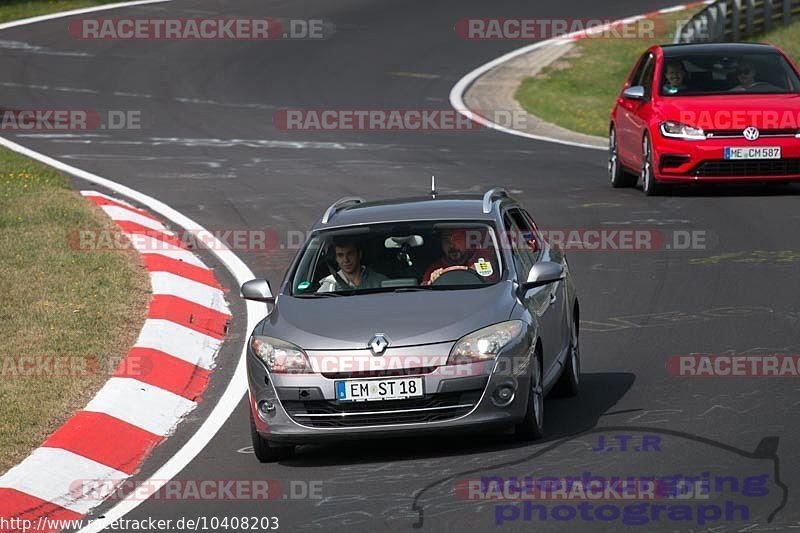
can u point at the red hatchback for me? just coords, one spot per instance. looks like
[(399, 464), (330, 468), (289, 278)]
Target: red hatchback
[(707, 113)]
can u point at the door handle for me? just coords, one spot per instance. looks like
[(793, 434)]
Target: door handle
[(553, 298)]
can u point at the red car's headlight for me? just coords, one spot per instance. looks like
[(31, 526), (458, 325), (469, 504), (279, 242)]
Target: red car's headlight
[(677, 130)]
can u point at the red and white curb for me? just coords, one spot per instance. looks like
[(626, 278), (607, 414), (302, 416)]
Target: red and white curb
[(461, 87), (159, 382)]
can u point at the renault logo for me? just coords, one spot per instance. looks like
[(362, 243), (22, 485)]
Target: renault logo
[(752, 133), (378, 344)]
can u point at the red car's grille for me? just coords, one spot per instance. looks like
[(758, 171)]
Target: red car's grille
[(750, 167), (785, 132)]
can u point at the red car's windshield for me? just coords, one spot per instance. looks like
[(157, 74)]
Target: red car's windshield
[(745, 73)]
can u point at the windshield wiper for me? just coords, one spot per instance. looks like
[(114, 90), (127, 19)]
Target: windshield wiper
[(319, 295)]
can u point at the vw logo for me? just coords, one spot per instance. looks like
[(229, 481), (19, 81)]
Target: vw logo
[(378, 344), (751, 133)]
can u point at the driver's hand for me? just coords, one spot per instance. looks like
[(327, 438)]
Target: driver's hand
[(439, 271)]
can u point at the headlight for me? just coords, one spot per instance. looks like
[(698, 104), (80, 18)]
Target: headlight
[(280, 356), (486, 343), (677, 130)]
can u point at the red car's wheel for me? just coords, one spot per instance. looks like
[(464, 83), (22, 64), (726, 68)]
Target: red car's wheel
[(619, 177), (650, 186)]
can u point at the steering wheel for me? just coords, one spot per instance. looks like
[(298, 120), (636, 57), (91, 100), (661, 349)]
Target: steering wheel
[(458, 275)]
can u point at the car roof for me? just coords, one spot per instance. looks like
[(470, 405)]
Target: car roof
[(443, 207), (675, 50)]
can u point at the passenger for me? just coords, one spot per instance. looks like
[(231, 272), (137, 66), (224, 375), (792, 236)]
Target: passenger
[(676, 78), (352, 274), (456, 256)]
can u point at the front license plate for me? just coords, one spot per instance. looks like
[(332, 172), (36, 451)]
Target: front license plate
[(379, 389), (753, 152)]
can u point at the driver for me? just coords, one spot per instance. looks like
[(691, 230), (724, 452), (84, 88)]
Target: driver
[(456, 256), (352, 274), (746, 74)]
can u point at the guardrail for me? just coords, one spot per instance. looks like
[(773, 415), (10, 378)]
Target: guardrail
[(734, 20)]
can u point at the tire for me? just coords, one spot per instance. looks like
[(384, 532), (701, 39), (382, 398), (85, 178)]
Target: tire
[(619, 177), (650, 186), (265, 451), (532, 426), (569, 381)]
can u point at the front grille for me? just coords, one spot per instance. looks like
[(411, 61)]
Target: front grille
[(393, 372), (737, 134), (749, 167), (336, 414)]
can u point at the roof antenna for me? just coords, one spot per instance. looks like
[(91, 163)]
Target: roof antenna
[(433, 187)]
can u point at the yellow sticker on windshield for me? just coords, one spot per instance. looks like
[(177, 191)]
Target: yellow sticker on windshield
[(483, 267)]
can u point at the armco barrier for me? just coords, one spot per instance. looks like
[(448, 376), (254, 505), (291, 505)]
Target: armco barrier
[(734, 20)]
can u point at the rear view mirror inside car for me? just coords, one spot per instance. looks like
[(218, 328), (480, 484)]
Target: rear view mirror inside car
[(412, 241)]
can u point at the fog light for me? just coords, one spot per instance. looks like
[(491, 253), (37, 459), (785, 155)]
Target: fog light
[(503, 395), (266, 406)]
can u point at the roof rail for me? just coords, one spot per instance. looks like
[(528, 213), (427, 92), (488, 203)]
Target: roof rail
[(338, 205), (489, 197)]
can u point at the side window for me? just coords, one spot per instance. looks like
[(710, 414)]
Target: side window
[(647, 77), (538, 239), (637, 73), (523, 242)]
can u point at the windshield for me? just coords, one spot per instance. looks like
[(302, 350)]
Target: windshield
[(399, 257), (744, 73)]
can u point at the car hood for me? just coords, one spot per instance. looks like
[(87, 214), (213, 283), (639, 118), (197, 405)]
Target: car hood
[(407, 319), (722, 112)]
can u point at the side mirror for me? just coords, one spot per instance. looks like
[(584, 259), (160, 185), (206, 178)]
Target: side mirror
[(258, 290), (634, 93), (542, 274)]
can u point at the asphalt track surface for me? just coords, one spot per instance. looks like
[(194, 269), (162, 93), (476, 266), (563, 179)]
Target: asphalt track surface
[(209, 149)]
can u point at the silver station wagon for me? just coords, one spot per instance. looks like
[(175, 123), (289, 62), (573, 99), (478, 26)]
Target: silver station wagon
[(412, 316)]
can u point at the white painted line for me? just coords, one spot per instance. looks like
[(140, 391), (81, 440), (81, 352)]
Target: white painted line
[(458, 90), (143, 405), (145, 244), (120, 213), (179, 341), (82, 11), (188, 289), (673, 9), (57, 476), (236, 388)]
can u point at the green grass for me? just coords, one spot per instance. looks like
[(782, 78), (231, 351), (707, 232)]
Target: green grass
[(787, 38), (56, 301), (579, 92), (22, 9)]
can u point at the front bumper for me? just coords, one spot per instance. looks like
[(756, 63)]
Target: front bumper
[(683, 161), (302, 408)]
